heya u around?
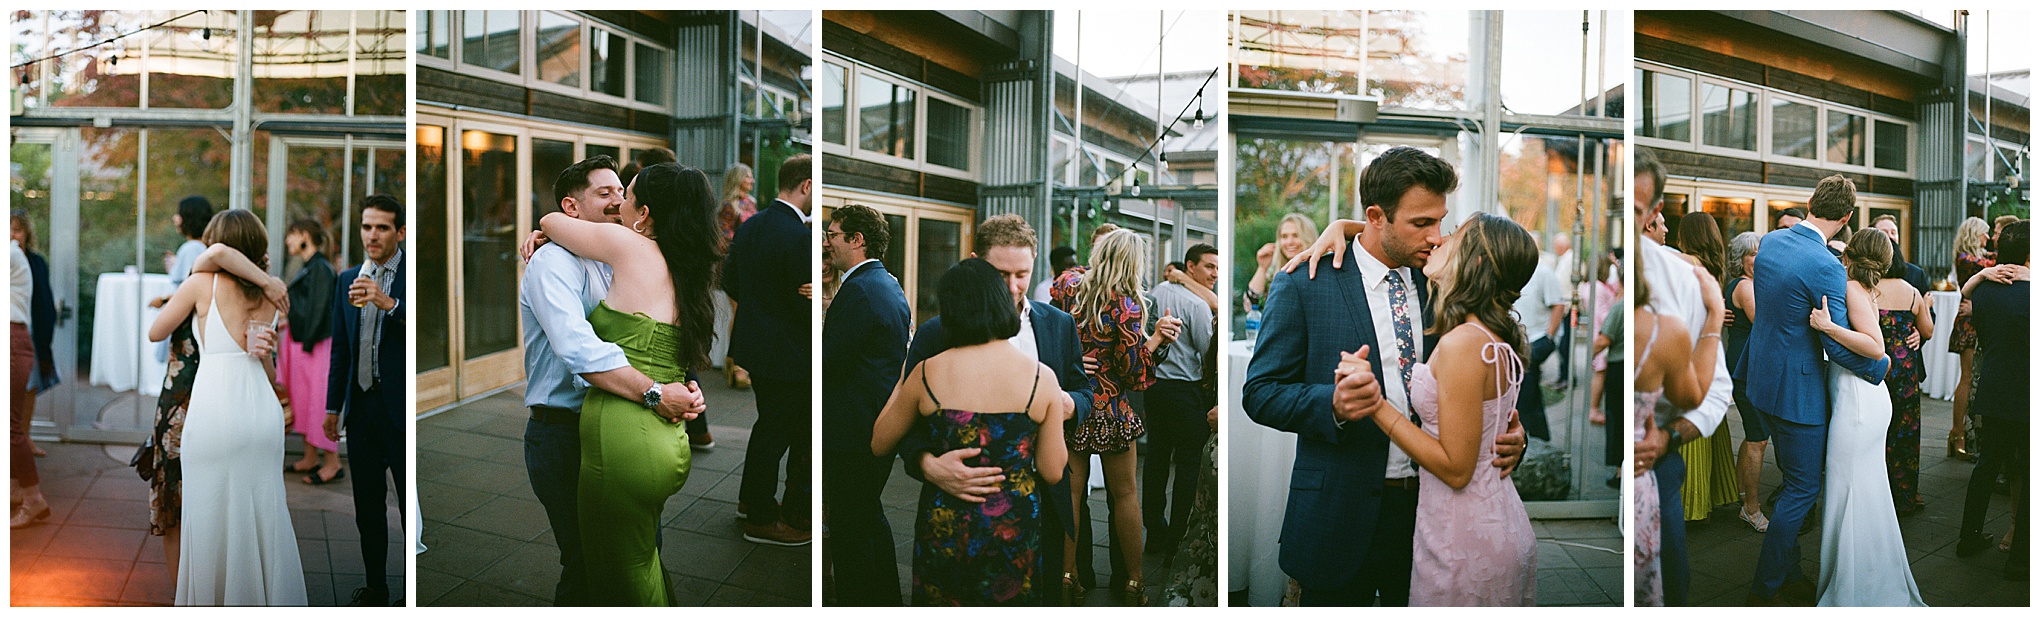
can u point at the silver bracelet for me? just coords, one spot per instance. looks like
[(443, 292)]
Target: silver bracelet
[(1704, 336)]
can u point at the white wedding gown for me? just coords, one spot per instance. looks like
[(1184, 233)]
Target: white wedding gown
[(238, 546), (1862, 555)]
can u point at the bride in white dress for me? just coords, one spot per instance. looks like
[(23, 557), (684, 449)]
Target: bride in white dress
[(1862, 555), (238, 547)]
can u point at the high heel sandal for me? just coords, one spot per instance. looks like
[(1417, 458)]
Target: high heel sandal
[(1073, 594), (23, 519), (1757, 520), (1136, 594), (1958, 449)]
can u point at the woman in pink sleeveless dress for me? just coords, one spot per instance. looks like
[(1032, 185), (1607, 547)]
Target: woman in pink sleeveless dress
[(1474, 545)]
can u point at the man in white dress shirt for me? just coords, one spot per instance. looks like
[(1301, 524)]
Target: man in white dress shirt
[(1676, 292)]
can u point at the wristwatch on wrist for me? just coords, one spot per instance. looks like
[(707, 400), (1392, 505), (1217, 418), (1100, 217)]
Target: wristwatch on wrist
[(653, 397)]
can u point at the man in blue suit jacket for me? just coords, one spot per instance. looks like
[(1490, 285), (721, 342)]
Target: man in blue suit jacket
[(1788, 381), (1007, 242), (864, 339), (769, 260), (1350, 521), (367, 384)]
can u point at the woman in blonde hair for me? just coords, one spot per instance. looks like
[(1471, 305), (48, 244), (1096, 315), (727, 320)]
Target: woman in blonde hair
[(737, 206), (1109, 302), (1970, 258), (1292, 236)]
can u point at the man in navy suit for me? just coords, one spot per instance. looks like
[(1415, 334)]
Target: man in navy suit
[(367, 384), (1050, 335), (864, 339), (769, 261), (1349, 524), (1788, 381)]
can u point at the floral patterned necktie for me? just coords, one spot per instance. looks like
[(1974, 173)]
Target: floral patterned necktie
[(1405, 339)]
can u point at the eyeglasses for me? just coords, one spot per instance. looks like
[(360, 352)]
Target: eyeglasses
[(830, 235)]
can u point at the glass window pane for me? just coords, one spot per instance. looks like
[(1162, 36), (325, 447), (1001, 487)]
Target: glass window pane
[(488, 242), (300, 62), (1891, 145), (834, 92), (1733, 214), (559, 49), (948, 134), (939, 247), (380, 65), (605, 62), (896, 249), (1730, 115), (610, 151), (188, 70), (489, 39), (885, 117), (548, 158), (433, 38), (315, 190), (1792, 129), (1845, 135), (654, 74), (434, 329), (1667, 106)]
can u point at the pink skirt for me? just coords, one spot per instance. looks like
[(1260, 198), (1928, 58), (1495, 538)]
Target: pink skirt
[(304, 376)]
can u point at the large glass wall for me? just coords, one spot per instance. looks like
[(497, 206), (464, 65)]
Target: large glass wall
[(129, 112)]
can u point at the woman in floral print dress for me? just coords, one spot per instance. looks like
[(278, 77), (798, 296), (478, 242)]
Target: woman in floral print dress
[(1109, 303)]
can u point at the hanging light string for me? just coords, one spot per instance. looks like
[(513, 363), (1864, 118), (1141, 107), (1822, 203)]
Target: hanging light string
[(115, 38), (1195, 99)]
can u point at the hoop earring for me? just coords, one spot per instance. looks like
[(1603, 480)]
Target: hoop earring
[(639, 226)]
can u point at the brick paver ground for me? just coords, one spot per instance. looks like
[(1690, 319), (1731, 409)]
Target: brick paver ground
[(489, 543)]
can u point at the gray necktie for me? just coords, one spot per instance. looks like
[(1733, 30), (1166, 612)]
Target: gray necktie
[(370, 334)]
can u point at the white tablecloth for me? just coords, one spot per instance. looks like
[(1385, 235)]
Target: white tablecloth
[(1259, 461), (1944, 369), (119, 328)]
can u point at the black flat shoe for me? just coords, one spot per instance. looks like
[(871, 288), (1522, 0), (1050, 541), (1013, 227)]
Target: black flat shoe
[(314, 479), (370, 596), (1971, 544)]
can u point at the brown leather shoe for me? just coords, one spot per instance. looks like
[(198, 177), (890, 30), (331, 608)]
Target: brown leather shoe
[(777, 534), (701, 441)]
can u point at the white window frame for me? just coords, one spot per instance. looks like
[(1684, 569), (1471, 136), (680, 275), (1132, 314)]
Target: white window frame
[(1819, 129), (452, 44), (1825, 111), (527, 58), (853, 74), (456, 41), (847, 148), (530, 55), (1700, 117), (1692, 101), (1695, 143), (974, 117)]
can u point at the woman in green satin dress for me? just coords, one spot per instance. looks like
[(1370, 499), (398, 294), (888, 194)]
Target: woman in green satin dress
[(663, 256)]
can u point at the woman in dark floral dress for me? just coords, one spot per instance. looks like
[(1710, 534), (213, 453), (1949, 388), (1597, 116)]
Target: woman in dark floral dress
[(1901, 310), (166, 483), (985, 553), (1109, 303), (1971, 257)]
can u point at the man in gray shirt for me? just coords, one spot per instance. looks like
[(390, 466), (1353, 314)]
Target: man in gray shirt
[(563, 357), (1177, 402)]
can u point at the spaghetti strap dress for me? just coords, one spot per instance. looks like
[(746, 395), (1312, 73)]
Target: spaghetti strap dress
[(981, 554)]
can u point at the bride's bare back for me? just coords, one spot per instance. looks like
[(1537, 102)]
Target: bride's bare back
[(237, 308)]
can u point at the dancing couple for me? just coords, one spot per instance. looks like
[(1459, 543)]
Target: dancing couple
[(617, 312), (1816, 340), (1399, 374), (230, 541)]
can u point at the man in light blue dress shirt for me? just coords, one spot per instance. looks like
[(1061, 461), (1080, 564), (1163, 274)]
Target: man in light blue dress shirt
[(563, 357)]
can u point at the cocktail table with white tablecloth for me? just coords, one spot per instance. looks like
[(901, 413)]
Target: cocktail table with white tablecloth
[(1944, 369), (1259, 461), (122, 356)]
